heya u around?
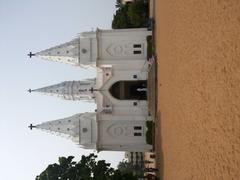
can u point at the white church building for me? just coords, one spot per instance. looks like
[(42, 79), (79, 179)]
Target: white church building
[(119, 89)]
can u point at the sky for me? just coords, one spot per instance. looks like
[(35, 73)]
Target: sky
[(33, 25)]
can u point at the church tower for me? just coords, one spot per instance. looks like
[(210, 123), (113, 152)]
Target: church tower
[(101, 132), (80, 51), (80, 128), (101, 47), (70, 90)]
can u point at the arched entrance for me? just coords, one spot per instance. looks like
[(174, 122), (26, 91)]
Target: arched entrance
[(129, 90)]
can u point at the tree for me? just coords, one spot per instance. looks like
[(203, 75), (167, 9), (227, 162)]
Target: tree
[(88, 168), (130, 15), (127, 167), (138, 14), (119, 4), (121, 19)]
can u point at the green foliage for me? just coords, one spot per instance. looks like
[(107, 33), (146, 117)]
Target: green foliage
[(150, 50), (138, 14), (129, 168), (119, 176), (119, 4), (132, 15), (120, 19), (86, 169), (125, 167), (149, 133)]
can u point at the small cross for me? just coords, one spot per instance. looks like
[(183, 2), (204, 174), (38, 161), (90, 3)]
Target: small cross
[(31, 126), (30, 90), (31, 54), (92, 89)]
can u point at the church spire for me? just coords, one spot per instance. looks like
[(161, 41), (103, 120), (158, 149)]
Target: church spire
[(68, 127), (70, 90), (64, 53), (81, 51), (80, 128)]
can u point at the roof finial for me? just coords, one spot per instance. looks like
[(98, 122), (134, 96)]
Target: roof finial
[(31, 126), (31, 54)]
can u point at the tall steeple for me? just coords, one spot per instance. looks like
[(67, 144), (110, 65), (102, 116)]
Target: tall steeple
[(80, 128), (64, 53), (70, 90), (81, 51)]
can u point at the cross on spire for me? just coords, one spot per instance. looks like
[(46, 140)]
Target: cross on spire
[(31, 126), (31, 54), (92, 89)]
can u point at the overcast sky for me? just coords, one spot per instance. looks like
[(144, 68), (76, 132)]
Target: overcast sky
[(33, 25)]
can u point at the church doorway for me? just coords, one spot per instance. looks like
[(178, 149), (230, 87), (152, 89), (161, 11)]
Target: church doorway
[(129, 90)]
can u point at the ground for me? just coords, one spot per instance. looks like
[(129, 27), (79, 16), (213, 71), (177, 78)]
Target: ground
[(198, 89)]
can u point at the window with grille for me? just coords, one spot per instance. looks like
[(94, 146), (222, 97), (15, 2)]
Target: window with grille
[(137, 46), (137, 134), (137, 127), (137, 52)]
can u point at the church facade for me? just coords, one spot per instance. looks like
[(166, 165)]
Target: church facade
[(119, 89)]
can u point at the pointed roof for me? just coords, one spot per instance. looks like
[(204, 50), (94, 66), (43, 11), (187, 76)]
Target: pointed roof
[(58, 90), (67, 127), (78, 128), (69, 90), (64, 53), (81, 51)]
